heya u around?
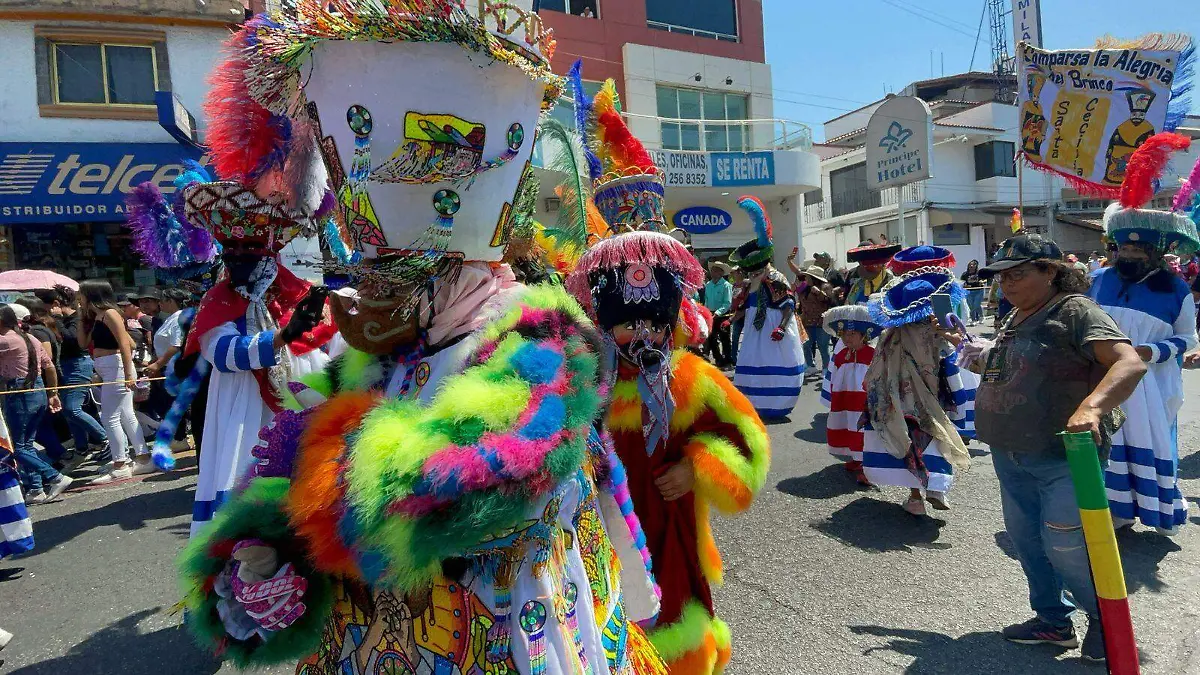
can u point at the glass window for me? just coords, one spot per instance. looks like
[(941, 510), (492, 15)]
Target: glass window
[(565, 110), (849, 192), (708, 18), (668, 102), (714, 106), (689, 105), (670, 136), (585, 8), (689, 137), (694, 104), (104, 74), (995, 158)]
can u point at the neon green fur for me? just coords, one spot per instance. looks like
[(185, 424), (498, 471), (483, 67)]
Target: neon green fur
[(685, 635)]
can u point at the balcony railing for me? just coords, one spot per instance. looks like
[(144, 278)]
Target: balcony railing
[(727, 135), (671, 28), (865, 199)]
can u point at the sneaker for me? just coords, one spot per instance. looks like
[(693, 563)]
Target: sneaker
[(59, 486), (72, 461), (113, 476), (144, 468), (38, 497), (937, 500), (915, 506), (5, 638), (1093, 644), (1038, 632)]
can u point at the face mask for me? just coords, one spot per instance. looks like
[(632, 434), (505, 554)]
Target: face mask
[(1132, 270)]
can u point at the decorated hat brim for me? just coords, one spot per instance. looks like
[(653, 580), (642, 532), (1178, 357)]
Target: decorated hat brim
[(751, 255), (887, 314), (850, 317), (878, 253)]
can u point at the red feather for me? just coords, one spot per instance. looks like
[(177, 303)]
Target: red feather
[(1146, 164), (626, 150), (240, 133)]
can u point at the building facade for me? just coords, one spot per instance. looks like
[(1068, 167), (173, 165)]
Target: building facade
[(696, 89), (966, 205), (80, 122)]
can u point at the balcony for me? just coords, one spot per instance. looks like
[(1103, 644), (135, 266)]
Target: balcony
[(865, 199), (720, 135), (671, 28)]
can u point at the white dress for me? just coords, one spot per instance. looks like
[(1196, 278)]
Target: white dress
[(236, 411), (1143, 469), (770, 373)]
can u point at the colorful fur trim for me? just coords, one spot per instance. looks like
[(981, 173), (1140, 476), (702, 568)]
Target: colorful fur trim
[(697, 644), (386, 490), (256, 513), (162, 455), (616, 482), (651, 248)]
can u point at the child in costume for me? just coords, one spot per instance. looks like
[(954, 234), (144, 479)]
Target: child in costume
[(688, 438), (770, 367), (1154, 307), (920, 404), (439, 498), (843, 391)]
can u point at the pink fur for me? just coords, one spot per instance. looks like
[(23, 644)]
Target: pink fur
[(653, 248), (1190, 187)]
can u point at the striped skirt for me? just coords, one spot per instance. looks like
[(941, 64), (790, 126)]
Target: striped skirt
[(770, 373), (16, 530), (883, 468)]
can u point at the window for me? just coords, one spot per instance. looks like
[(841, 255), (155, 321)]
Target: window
[(849, 192), (85, 72), (953, 234), (813, 197), (565, 110), (715, 19), (995, 158), (584, 8), (706, 106)]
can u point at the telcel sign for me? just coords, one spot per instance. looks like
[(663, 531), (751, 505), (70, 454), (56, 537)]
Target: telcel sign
[(702, 219), (899, 143)]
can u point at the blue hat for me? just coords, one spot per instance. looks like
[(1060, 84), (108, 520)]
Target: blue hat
[(921, 256), (909, 298), (851, 317)]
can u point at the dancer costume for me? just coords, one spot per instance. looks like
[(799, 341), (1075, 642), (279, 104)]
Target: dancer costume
[(770, 366), (1156, 312), (16, 529), (440, 500), (920, 404), (671, 406), (843, 393)]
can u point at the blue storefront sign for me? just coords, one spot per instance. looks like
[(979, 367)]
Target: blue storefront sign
[(81, 182), (736, 169), (702, 219)]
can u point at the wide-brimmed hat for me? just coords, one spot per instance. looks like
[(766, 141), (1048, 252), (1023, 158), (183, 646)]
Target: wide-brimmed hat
[(921, 256), (815, 272), (851, 317), (1019, 250), (759, 251), (723, 266), (909, 297), (868, 253)]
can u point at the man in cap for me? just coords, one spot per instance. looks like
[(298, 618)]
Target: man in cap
[(149, 300)]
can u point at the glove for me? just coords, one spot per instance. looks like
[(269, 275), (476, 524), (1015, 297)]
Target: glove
[(271, 597), (307, 314), (975, 350), (777, 334)]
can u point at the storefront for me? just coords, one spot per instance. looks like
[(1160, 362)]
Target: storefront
[(62, 205)]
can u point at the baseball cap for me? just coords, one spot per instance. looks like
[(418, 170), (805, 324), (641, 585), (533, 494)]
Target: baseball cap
[(1019, 250)]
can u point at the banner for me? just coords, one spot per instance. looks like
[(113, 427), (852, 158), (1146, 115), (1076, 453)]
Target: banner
[(1084, 111)]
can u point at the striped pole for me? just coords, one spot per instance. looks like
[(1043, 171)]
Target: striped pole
[(1119, 643)]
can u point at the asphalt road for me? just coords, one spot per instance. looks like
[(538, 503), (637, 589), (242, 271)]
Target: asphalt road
[(822, 578)]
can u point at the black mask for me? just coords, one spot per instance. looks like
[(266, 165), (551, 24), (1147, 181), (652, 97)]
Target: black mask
[(240, 266), (1133, 270)]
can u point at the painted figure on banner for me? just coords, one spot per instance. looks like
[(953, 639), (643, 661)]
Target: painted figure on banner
[(1129, 135), (1033, 117)]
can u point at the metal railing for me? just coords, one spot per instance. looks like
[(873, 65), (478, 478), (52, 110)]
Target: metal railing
[(672, 28), (727, 135), (864, 199)]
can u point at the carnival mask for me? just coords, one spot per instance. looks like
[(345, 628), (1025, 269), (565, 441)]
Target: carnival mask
[(643, 342), (376, 318)]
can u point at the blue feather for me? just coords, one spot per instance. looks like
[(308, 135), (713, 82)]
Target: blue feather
[(163, 458), (762, 225), (584, 112), (1181, 89)]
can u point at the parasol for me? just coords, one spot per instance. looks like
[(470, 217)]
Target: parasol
[(33, 280)]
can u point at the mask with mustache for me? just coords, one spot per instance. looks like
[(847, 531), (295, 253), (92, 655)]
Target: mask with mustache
[(1133, 270)]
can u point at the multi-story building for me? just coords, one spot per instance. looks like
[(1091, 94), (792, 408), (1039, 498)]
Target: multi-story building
[(967, 204), (81, 124), (697, 91)]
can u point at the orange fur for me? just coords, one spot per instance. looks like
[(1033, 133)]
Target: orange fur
[(699, 661), (315, 493), (706, 544), (715, 475)]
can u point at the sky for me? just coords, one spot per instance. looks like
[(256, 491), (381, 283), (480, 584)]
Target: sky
[(828, 58)]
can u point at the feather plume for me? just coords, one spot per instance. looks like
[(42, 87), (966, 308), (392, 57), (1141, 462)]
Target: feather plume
[(571, 226), (626, 152), (1190, 187), (753, 207), (585, 120), (1146, 165), (162, 238)]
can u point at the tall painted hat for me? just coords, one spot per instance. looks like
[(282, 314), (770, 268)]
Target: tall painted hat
[(921, 256), (1128, 221), (627, 186), (869, 253), (909, 297), (759, 251), (637, 275), (851, 317), (410, 122)]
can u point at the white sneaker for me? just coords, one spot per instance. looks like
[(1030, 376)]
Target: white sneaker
[(36, 498), (5, 638), (123, 473), (938, 500), (59, 486), (144, 468)]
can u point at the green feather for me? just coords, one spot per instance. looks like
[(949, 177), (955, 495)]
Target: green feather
[(571, 160)]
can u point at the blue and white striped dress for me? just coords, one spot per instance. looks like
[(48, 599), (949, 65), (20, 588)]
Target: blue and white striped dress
[(770, 373), (1143, 470), (16, 529), (883, 468), (236, 411)]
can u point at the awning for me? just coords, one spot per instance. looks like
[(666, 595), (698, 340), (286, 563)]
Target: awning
[(939, 217)]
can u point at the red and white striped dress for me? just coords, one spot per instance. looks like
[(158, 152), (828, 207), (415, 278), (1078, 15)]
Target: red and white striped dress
[(842, 392)]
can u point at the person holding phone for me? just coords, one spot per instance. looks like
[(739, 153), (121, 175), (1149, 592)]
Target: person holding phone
[(259, 328), (919, 402)]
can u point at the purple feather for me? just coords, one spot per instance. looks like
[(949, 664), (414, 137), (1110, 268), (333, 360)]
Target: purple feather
[(149, 220), (328, 202), (1190, 186)]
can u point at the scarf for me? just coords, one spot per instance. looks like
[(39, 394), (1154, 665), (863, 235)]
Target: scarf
[(903, 387), (465, 304), (654, 388)]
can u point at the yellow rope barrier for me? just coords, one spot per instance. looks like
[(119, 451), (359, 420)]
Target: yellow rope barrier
[(77, 386)]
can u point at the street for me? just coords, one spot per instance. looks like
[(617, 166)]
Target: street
[(822, 577)]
